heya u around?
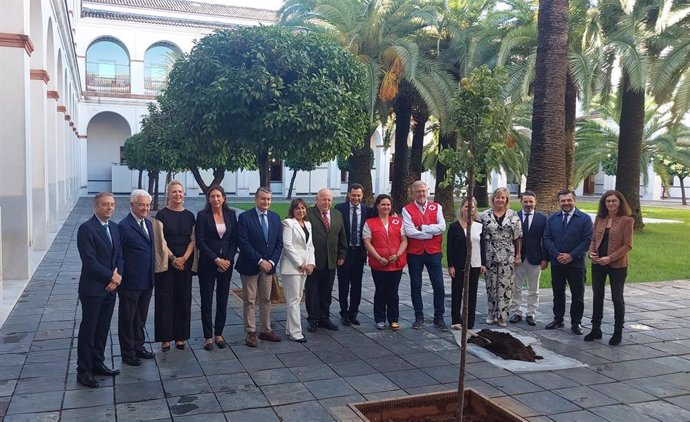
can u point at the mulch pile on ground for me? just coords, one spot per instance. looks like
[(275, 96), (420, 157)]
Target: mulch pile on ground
[(504, 345)]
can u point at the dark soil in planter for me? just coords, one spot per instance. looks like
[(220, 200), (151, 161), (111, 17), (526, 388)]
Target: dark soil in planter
[(504, 345)]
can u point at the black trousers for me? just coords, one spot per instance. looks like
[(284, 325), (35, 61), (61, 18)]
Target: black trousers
[(173, 310), (617, 279), (350, 282), (457, 288), (386, 301), (208, 280), (317, 292), (133, 310), (96, 313), (575, 278)]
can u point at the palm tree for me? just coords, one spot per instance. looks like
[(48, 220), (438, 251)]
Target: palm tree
[(380, 33), (545, 174), (597, 142)]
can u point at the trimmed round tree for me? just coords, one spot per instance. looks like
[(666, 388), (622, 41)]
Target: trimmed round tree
[(270, 92)]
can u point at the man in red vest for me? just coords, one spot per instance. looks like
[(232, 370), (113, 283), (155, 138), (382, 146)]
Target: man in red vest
[(424, 228)]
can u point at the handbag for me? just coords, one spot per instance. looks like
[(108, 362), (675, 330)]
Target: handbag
[(277, 292)]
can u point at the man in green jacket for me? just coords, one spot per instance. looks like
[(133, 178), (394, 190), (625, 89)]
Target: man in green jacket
[(330, 246)]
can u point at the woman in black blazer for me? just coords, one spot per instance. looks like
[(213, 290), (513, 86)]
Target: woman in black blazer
[(456, 251), (216, 238)]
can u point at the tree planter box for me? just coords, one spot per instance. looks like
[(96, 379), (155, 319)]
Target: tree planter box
[(433, 407)]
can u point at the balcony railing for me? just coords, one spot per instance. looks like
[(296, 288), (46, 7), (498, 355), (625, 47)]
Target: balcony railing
[(154, 86), (114, 79)]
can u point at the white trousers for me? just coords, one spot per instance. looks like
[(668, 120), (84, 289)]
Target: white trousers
[(293, 286), (530, 273)]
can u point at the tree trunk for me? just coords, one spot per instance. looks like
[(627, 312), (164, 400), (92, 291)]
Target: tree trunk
[(154, 202), (682, 191), (399, 188), (630, 148), (264, 173), (141, 177), (151, 178), (570, 119), (292, 184), (359, 169), (218, 175), (445, 195), (168, 178), (546, 175), (481, 192), (421, 116)]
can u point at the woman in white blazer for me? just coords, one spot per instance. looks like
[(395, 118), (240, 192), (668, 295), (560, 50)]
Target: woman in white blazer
[(296, 263)]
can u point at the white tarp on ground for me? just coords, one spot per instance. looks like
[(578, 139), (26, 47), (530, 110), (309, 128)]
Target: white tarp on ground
[(552, 361)]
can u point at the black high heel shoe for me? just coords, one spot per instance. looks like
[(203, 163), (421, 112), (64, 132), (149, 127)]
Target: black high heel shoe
[(165, 348), (595, 334)]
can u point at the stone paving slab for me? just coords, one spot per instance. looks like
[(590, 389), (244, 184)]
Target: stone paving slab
[(646, 378)]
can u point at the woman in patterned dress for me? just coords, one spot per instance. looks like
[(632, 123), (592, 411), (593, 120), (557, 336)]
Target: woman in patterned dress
[(502, 233)]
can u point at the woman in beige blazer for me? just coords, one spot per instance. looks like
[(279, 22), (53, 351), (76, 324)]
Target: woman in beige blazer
[(296, 263), (611, 242)]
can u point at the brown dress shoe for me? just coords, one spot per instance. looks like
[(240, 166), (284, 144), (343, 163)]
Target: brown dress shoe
[(269, 336), (250, 340)]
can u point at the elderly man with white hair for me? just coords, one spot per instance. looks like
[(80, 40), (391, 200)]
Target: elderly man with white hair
[(136, 238)]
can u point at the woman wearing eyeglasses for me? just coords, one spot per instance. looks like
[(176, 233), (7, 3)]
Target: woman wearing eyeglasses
[(611, 242)]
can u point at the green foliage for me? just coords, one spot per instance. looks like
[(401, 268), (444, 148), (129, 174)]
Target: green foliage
[(249, 92), (152, 149), (481, 121)]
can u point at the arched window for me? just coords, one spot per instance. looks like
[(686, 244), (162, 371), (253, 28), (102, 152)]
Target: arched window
[(158, 61), (107, 66)]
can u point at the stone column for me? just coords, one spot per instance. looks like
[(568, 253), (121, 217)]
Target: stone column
[(15, 160), (51, 158), (60, 142), (39, 191)]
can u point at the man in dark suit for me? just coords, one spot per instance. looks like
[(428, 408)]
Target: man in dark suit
[(350, 273), (98, 241), (136, 233), (566, 238), (260, 240), (535, 258), (330, 249)]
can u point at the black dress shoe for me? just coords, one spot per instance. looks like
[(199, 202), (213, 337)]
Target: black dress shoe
[(354, 321), (595, 334), (145, 354), (553, 325), (311, 327), (576, 329), (132, 361), (327, 324), (531, 321), (104, 370), (515, 319), (87, 380), (345, 320), (616, 338)]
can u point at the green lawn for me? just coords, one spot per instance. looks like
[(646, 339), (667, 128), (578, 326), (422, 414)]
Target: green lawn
[(661, 252)]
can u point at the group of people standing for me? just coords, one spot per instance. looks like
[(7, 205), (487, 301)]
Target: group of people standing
[(514, 247), (312, 245)]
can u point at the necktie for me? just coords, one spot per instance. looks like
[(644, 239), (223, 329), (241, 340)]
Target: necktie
[(107, 232), (353, 234), (264, 226), (324, 216), (525, 229), (564, 223), (143, 228)]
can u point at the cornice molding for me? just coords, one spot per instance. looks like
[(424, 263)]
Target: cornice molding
[(39, 75), (61, 109), (17, 41), (54, 95)]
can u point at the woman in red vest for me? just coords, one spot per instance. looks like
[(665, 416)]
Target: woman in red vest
[(384, 238)]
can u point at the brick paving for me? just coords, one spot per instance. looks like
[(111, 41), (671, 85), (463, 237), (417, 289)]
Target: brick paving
[(647, 378)]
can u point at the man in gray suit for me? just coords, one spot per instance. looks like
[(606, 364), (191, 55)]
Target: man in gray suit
[(330, 246)]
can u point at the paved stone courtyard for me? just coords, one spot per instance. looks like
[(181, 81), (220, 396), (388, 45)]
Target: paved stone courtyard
[(647, 378)]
